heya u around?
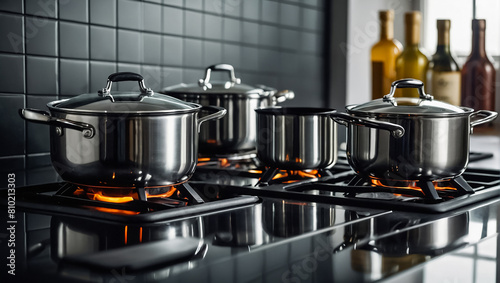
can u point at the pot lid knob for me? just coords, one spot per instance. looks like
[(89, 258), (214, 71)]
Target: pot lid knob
[(407, 83), (205, 83), (125, 76)]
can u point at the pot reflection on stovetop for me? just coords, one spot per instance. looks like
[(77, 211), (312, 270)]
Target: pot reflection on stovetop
[(71, 237), (404, 248), (285, 218), (240, 228)]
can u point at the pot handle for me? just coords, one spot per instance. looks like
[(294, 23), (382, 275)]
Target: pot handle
[(218, 67), (396, 130), (277, 97), (488, 117), (407, 83), (43, 117), (122, 77), (218, 112), (284, 95)]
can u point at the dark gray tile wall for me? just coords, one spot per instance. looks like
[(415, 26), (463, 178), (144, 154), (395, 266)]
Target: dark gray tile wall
[(56, 49)]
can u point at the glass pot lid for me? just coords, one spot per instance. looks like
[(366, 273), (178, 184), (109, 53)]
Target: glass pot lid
[(424, 105), (104, 101), (232, 86)]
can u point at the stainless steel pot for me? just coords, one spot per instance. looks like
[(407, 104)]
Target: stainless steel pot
[(124, 139), (298, 138), (435, 145), (237, 131)]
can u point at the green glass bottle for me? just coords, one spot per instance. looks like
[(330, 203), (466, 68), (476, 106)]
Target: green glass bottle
[(411, 63), (444, 72)]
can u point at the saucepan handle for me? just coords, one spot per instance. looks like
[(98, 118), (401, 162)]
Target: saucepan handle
[(487, 115), (396, 130), (43, 117), (216, 113), (276, 96)]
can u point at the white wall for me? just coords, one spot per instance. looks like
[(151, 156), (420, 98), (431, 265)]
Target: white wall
[(364, 31)]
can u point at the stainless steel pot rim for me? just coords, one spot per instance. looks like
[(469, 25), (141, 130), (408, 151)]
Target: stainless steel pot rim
[(296, 111), (119, 109), (405, 112), (184, 89)]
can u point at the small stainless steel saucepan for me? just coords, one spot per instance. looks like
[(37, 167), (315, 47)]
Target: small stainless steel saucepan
[(298, 138)]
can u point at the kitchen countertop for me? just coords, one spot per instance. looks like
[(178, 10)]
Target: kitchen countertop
[(488, 144)]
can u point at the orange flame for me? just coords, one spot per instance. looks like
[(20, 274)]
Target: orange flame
[(298, 173), (224, 162), (412, 185), (119, 196), (115, 211), (126, 234)]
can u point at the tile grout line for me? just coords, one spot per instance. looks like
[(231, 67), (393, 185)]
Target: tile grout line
[(25, 58)]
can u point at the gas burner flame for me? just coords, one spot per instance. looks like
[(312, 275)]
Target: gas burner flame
[(441, 185), (292, 176), (119, 195)]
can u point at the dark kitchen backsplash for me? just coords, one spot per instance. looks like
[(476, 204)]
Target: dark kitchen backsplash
[(51, 50)]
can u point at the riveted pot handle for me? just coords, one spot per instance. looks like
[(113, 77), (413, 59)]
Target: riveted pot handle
[(488, 117), (407, 83), (218, 67), (396, 130), (43, 117), (216, 113)]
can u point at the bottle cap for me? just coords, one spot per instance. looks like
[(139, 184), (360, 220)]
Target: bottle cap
[(443, 24), (479, 24), (386, 15), (413, 17)]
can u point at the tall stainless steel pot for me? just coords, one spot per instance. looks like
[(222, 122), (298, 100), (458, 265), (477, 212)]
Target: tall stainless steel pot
[(436, 141), (123, 139), (298, 138), (237, 131)]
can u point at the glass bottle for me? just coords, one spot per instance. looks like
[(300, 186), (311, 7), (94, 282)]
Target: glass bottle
[(444, 72), (411, 63), (383, 56), (478, 73)]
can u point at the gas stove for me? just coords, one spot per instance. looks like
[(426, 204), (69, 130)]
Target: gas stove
[(238, 221), (342, 186)]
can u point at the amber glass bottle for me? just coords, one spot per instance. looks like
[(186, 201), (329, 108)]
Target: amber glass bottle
[(411, 63), (478, 73), (444, 71), (383, 56)]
